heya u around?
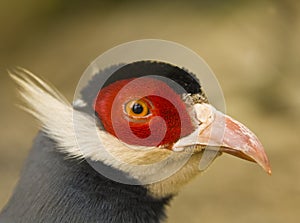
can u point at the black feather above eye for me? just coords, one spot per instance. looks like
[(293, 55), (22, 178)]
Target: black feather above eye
[(184, 78), (180, 76)]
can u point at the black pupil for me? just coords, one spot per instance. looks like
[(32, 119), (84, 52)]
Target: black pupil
[(137, 108)]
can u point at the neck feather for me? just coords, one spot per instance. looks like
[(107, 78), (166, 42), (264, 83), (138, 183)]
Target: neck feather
[(55, 189)]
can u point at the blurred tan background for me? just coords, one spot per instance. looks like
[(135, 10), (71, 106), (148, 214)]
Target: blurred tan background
[(253, 48)]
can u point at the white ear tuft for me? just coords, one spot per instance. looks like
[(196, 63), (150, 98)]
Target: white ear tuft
[(49, 107)]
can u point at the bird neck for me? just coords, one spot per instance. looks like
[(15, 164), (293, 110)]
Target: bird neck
[(55, 189)]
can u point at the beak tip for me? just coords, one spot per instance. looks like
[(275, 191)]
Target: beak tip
[(265, 165), (268, 170)]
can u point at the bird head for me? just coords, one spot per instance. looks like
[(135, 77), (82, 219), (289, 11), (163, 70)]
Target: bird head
[(154, 122)]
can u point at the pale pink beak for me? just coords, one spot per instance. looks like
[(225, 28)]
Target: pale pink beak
[(226, 135)]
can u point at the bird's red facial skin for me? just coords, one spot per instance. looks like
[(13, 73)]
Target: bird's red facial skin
[(167, 119)]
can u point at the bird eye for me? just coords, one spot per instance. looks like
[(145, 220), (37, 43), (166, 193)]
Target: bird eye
[(137, 108)]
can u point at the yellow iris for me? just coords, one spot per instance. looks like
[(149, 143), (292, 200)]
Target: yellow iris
[(137, 108)]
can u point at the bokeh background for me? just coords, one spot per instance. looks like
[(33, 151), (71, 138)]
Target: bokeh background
[(253, 48)]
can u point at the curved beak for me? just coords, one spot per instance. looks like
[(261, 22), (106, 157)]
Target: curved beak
[(224, 134)]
